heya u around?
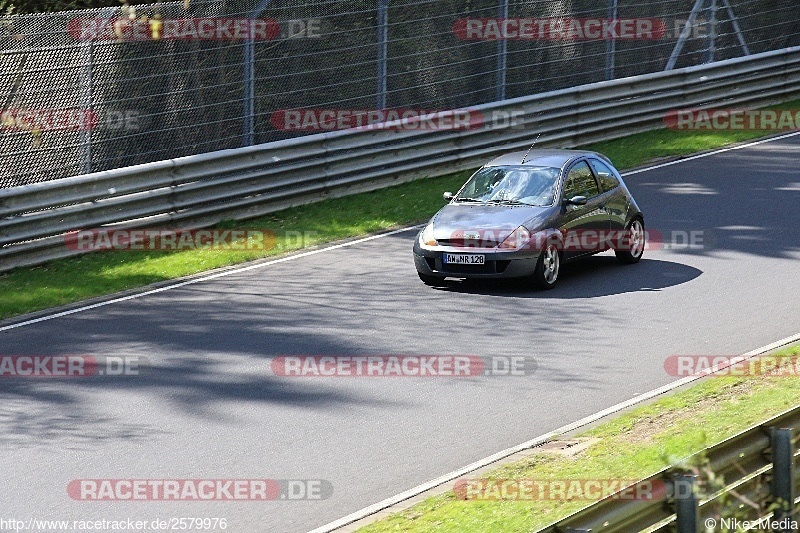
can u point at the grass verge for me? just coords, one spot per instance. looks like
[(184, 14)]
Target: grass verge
[(70, 280), (631, 446)]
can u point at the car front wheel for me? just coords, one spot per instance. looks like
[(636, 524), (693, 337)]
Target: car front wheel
[(547, 269), (636, 235)]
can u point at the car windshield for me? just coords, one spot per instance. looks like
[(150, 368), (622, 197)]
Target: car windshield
[(510, 185)]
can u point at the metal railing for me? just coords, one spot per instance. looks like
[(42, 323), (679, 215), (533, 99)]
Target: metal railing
[(201, 190), (88, 90), (764, 456)]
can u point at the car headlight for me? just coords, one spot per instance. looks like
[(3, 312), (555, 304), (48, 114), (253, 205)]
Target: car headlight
[(426, 237), (516, 240)]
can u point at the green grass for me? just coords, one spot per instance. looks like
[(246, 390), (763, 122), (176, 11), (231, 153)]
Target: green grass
[(73, 279), (636, 150), (631, 446), (69, 280)]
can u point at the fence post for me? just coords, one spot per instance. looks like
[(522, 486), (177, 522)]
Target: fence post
[(687, 30), (87, 81), (687, 517), (712, 32), (782, 486), (249, 93), (611, 44), (383, 51), (502, 54), (249, 75)]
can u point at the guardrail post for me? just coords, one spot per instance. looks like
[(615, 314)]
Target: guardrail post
[(687, 518), (782, 486)]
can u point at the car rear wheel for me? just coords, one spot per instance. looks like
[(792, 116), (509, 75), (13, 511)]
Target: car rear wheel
[(548, 267), (431, 281), (636, 236)]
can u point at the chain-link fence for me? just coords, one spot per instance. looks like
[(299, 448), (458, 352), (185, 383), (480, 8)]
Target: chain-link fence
[(91, 90)]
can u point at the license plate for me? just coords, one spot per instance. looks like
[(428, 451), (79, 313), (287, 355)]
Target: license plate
[(459, 259)]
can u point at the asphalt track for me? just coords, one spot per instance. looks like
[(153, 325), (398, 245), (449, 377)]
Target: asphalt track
[(210, 407)]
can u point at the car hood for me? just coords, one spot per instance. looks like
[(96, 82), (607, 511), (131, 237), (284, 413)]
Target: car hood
[(491, 222)]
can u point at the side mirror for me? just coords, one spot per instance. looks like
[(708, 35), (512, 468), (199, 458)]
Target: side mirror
[(576, 200), (447, 196)]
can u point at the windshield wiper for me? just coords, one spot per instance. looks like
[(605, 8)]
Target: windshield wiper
[(463, 199), (507, 202)]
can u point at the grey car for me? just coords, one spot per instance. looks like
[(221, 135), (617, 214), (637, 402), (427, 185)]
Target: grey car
[(522, 214)]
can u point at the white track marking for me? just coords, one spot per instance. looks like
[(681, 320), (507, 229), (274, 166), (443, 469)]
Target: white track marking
[(707, 154), (192, 281)]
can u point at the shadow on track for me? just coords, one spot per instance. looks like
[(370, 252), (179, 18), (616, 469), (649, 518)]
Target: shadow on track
[(600, 275)]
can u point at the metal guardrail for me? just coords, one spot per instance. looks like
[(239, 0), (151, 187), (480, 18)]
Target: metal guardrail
[(201, 190), (762, 456)]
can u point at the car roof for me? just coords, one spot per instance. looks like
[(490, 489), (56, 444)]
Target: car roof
[(541, 158)]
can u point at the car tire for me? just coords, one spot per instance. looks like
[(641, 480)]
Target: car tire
[(548, 267), (637, 237), (431, 281)]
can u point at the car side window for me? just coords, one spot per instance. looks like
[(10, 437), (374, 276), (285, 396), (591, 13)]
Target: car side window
[(580, 182), (605, 176)]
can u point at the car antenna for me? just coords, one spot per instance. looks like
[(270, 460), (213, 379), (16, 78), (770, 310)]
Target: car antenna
[(531, 148)]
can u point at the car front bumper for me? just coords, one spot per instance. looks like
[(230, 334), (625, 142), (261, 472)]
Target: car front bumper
[(497, 264)]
